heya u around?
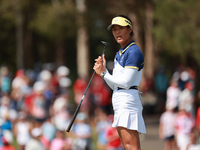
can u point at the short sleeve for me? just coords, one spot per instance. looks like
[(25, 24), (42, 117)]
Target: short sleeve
[(135, 60)]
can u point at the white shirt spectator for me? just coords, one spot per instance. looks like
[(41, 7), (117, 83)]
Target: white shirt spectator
[(168, 119), (173, 93)]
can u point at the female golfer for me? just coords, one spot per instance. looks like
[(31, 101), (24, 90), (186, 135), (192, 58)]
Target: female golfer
[(126, 76)]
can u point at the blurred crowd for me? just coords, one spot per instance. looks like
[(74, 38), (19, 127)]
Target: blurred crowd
[(180, 122), (36, 106)]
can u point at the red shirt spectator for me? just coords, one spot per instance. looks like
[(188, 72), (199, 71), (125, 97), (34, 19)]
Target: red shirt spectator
[(7, 147), (198, 119), (113, 138)]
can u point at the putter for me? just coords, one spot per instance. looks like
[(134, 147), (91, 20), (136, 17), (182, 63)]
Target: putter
[(77, 109)]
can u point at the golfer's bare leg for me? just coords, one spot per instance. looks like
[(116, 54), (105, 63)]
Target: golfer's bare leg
[(130, 138)]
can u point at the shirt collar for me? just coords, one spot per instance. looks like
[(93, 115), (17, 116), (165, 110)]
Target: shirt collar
[(121, 51)]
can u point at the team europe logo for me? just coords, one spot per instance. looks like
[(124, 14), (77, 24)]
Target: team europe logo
[(121, 60)]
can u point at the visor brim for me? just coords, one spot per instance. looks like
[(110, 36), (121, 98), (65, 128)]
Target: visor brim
[(110, 26)]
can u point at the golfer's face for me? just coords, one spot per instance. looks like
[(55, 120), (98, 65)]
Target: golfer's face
[(121, 34)]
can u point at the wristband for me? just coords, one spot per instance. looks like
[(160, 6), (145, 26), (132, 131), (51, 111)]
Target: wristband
[(103, 74)]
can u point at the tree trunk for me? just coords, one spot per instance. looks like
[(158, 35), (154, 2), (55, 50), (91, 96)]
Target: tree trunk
[(82, 41), (149, 52), (27, 46), (137, 37), (136, 29), (60, 52), (19, 40)]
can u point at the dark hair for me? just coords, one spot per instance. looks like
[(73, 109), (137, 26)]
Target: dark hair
[(128, 20)]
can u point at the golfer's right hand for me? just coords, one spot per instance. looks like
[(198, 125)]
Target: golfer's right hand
[(99, 65)]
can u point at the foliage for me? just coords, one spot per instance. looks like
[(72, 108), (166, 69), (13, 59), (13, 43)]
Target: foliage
[(177, 29), (55, 20)]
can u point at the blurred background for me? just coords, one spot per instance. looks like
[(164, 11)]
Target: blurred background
[(47, 52)]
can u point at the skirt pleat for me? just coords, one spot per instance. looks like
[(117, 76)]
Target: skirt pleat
[(132, 121), (128, 110)]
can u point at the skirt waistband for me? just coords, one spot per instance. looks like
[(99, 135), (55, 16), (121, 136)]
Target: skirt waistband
[(132, 87)]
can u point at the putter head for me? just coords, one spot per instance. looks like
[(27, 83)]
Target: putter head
[(105, 43)]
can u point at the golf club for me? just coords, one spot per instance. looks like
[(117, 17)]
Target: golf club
[(77, 109)]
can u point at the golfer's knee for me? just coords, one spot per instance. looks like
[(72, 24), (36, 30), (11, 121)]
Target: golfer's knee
[(128, 146)]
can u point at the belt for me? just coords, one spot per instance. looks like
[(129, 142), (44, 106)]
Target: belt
[(132, 87)]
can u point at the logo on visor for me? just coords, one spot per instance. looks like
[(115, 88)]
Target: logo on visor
[(116, 20), (128, 22)]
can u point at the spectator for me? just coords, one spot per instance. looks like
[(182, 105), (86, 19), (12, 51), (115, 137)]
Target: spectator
[(167, 127), (114, 141), (192, 76), (186, 98), (173, 93), (198, 119), (21, 85), (61, 73), (61, 115), (34, 143), (4, 107), (5, 125), (82, 133), (6, 112), (102, 124), (64, 84), (184, 125), (101, 93), (7, 139), (49, 130), (45, 77), (193, 142), (79, 88), (22, 130), (5, 122), (5, 80), (36, 103), (60, 142), (161, 85), (184, 78)]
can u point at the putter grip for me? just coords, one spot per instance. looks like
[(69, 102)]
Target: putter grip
[(74, 117)]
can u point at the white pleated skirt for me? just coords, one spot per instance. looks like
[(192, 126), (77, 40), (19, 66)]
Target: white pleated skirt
[(128, 110)]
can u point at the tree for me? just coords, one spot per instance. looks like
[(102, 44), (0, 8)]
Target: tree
[(82, 40), (149, 46), (8, 10), (56, 22), (177, 31)]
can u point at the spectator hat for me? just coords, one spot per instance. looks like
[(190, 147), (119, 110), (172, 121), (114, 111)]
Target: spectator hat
[(63, 71), (7, 137), (81, 116), (36, 132), (45, 75), (65, 82), (39, 86)]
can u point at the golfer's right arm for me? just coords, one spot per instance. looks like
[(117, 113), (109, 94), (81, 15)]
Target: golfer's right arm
[(100, 66), (110, 84), (125, 81)]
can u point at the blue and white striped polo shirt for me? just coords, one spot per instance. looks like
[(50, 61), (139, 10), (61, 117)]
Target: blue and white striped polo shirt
[(129, 57)]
